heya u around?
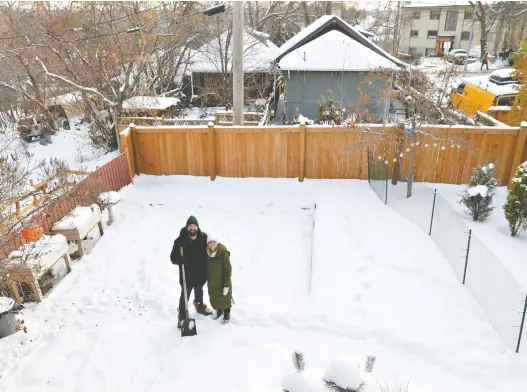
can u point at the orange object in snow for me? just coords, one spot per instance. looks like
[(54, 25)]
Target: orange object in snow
[(32, 233)]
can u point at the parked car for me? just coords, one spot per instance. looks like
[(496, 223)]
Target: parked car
[(456, 56)]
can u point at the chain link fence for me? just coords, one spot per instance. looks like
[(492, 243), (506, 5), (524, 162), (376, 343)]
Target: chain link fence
[(475, 265)]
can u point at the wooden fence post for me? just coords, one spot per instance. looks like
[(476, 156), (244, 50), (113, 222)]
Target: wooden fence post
[(133, 147), (212, 151), (302, 152), (519, 150)]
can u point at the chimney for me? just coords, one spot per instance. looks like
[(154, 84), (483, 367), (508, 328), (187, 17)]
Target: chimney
[(336, 8)]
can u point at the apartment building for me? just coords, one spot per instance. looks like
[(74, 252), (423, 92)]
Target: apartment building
[(437, 28)]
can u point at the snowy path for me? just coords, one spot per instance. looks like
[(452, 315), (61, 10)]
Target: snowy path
[(111, 324)]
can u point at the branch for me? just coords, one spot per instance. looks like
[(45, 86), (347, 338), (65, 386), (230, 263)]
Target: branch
[(62, 79)]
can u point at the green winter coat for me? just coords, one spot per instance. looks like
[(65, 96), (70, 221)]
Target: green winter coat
[(219, 276)]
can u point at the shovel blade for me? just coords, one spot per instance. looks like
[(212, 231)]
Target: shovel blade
[(188, 327)]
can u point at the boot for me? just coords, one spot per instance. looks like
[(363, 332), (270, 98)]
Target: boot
[(180, 318), (201, 308), (226, 316), (218, 314)]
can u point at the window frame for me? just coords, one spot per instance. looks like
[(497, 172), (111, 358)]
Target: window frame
[(428, 36), (451, 18), (438, 14), (414, 31)]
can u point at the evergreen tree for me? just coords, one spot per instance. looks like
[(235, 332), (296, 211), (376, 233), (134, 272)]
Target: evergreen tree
[(333, 387), (516, 204), (477, 197)]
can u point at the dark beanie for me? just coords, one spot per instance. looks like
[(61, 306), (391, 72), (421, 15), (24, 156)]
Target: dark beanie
[(192, 221)]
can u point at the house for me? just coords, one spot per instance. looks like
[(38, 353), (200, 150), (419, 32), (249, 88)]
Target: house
[(211, 68), (146, 106), (332, 61), (437, 28)]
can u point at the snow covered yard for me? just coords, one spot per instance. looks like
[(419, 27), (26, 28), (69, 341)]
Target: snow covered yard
[(111, 323), (494, 231), (73, 146)]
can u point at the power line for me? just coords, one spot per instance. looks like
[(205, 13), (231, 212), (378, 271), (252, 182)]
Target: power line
[(91, 25)]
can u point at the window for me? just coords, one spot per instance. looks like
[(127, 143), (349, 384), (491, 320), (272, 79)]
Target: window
[(416, 14), (414, 33), (465, 35), (412, 51), (432, 34), (451, 21), (430, 51), (435, 14), (468, 14), (506, 101), (460, 88)]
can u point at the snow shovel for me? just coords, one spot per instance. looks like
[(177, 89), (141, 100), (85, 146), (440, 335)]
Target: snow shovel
[(188, 326)]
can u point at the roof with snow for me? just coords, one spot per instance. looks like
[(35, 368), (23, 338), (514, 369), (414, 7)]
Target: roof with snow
[(331, 44), (150, 103), (258, 53)]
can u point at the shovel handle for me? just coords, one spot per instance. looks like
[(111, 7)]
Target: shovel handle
[(184, 283)]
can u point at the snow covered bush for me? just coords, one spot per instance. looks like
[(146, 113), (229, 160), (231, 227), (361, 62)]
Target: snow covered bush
[(516, 204), (342, 375), (478, 195)]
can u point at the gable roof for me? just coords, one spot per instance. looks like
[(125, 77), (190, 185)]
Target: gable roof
[(258, 53), (329, 23)]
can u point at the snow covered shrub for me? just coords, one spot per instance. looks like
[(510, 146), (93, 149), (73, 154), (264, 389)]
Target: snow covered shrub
[(478, 195), (342, 376), (516, 204)]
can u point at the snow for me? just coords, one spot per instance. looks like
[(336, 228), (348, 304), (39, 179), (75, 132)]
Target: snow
[(503, 73), (73, 146), (344, 283), (257, 54), (110, 197), (499, 109), (481, 190), (317, 50), (347, 54), (344, 374), (149, 103), (496, 89), (494, 232), (42, 254), (302, 382), (81, 218), (6, 304)]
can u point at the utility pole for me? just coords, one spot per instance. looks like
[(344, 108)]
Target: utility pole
[(237, 63), (470, 39)]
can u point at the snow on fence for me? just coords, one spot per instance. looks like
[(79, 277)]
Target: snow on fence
[(501, 297), (112, 176), (320, 152)]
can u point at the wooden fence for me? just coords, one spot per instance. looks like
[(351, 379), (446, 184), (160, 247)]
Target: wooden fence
[(441, 154), (220, 118), (112, 176)]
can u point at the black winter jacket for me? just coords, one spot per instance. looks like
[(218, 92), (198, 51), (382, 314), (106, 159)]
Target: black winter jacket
[(195, 251)]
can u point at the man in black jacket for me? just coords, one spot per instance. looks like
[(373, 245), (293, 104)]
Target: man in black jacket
[(194, 244)]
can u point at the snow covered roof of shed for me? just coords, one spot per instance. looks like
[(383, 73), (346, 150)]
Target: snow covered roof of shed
[(258, 53), (153, 103), (331, 44)]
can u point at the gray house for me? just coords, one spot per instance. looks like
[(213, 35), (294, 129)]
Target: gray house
[(332, 62)]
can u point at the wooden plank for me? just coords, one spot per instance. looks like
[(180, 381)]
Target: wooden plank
[(302, 163)]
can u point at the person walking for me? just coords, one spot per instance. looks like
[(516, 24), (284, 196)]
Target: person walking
[(219, 284), (485, 59), (194, 258)]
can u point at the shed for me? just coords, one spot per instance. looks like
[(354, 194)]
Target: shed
[(211, 67), (330, 58)]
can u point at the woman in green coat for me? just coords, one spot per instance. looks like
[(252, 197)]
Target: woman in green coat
[(219, 283)]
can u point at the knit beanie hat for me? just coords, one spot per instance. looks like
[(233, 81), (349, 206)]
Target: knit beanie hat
[(211, 238), (192, 221)]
